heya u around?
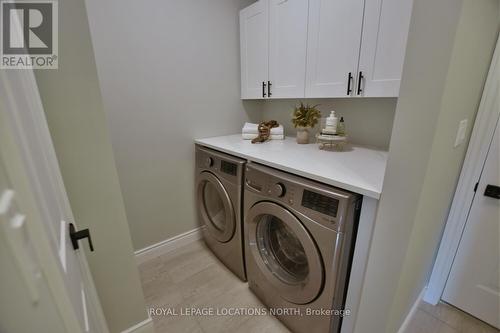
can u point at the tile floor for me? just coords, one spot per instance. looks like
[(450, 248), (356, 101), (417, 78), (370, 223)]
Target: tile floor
[(444, 318), (192, 277)]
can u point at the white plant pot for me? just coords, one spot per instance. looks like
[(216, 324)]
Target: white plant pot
[(302, 135)]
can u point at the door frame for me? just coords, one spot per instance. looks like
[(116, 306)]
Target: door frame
[(21, 84), (477, 151)]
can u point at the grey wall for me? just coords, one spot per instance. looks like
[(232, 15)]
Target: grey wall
[(449, 52), (77, 122), (176, 77), (169, 73), (475, 40), (368, 120)]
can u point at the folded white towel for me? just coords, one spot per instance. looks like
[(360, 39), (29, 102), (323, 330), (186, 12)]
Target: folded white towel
[(250, 128), (251, 136)]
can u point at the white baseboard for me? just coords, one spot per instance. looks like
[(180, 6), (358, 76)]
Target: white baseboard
[(167, 245), (145, 326), (432, 296), (410, 315)]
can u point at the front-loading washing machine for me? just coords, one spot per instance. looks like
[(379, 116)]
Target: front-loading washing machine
[(298, 245), (219, 190)]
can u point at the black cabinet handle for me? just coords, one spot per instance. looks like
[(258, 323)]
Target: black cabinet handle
[(360, 79), (77, 235), (263, 89), (492, 191), (269, 84), (349, 80)]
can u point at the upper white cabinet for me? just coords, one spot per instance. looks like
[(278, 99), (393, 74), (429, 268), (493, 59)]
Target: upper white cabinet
[(385, 31), (254, 44), (333, 43), (287, 47), (273, 38), (323, 48)]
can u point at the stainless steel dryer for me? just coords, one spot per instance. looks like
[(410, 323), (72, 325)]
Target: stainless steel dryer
[(298, 245), (219, 187)]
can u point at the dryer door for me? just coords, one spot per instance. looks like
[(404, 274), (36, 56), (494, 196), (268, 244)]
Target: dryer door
[(215, 208), (285, 252)]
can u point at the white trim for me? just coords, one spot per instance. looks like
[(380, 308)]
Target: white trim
[(92, 295), (359, 261), (414, 308), (475, 158), (145, 326), (167, 245)]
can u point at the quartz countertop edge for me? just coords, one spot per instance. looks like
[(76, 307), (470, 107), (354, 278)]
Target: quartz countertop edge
[(359, 169)]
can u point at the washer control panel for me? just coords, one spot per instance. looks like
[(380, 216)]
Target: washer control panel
[(322, 203), (273, 187)]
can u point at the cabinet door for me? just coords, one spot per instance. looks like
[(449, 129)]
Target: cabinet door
[(254, 47), (385, 31), (287, 47), (334, 36)]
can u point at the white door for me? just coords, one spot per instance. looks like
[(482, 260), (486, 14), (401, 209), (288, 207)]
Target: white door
[(383, 47), (474, 281), (25, 292), (254, 48), (287, 48), (23, 113), (334, 36)]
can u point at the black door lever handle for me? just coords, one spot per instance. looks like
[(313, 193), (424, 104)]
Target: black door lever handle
[(77, 235), (492, 191)]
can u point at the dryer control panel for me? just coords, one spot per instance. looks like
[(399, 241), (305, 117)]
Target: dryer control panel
[(220, 164)]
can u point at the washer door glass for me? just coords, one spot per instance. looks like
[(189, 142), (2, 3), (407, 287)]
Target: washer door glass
[(215, 208), (281, 250), (284, 252)]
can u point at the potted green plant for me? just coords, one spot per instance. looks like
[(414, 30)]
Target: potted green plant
[(304, 118)]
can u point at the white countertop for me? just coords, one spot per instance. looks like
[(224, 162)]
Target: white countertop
[(358, 169)]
